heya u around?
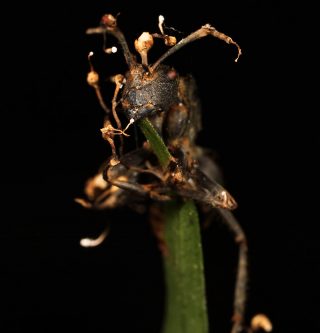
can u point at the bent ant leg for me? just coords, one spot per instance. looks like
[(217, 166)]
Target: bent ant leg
[(196, 185), (240, 292), (153, 191), (208, 165)]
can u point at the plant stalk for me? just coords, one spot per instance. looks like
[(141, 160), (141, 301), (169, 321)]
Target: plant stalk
[(186, 310)]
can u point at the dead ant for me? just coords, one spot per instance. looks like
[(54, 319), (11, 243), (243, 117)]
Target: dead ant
[(170, 102)]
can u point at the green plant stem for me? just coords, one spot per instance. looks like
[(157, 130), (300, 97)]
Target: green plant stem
[(156, 142), (184, 274), (185, 304)]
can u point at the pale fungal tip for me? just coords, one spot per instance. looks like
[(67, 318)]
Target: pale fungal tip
[(90, 54), (93, 242), (86, 242), (142, 45), (161, 19), (145, 37), (261, 321), (110, 50)]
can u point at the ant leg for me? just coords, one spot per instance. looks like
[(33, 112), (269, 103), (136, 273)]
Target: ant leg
[(204, 31), (143, 190), (200, 187), (242, 273), (128, 186), (127, 180)]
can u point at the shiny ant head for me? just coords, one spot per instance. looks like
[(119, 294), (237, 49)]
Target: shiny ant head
[(147, 92)]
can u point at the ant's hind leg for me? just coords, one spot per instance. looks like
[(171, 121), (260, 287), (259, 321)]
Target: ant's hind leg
[(242, 271)]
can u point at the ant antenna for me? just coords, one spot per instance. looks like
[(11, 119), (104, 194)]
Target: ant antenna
[(204, 31)]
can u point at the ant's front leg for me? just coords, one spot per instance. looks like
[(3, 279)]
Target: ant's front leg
[(129, 180)]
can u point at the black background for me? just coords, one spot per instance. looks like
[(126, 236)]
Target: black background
[(255, 118)]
